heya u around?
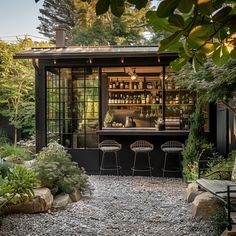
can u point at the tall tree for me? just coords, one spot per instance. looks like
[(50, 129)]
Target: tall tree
[(57, 14), (17, 86), (108, 29), (198, 29)]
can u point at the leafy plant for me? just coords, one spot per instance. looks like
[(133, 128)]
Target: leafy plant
[(108, 117), (57, 172), (4, 168), (15, 154), (17, 186), (219, 221)]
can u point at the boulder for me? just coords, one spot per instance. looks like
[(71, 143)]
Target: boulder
[(192, 191), (42, 202), (61, 201), (75, 196), (205, 205)]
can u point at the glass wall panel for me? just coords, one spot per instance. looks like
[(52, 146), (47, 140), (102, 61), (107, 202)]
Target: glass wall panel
[(73, 106)]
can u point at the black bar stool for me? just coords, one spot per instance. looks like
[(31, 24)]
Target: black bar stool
[(171, 147), (110, 146), (141, 146)]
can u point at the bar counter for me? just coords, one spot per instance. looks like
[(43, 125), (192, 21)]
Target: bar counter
[(141, 131)]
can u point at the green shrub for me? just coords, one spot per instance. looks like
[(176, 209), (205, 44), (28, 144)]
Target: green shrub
[(18, 185), (4, 168), (194, 144), (58, 172), (14, 154), (219, 221), (3, 137)]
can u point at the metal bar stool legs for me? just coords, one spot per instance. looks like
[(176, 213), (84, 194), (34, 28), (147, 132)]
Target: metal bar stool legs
[(110, 146), (141, 146), (170, 148)]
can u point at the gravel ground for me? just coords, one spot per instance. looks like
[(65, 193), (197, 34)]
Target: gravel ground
[(134, 206)]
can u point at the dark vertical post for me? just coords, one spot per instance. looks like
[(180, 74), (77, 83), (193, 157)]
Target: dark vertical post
[(40, 105), (163, 93)]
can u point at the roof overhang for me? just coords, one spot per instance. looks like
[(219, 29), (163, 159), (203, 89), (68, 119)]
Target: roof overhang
[(94, 52)]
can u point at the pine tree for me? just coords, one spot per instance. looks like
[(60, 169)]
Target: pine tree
[(57, 14)]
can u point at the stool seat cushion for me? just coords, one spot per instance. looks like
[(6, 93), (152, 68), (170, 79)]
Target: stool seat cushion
[(142, 149), (172, 149), (110, 149)]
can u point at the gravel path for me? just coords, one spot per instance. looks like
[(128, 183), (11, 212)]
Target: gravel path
[(130, 206)]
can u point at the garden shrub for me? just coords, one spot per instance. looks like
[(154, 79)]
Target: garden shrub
[(57, 172), (4, 168), (14, 154), (18, 185), (194, 144), (219, 221)]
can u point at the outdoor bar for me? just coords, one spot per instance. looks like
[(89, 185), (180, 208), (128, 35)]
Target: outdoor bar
[(85, 95)]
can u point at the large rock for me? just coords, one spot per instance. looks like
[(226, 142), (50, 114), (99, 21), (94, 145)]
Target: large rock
[(205, 205), (192, 191), (42, 202), (61, 201), (75, 196)]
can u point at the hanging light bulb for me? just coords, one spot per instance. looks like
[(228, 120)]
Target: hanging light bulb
[(134, 75)]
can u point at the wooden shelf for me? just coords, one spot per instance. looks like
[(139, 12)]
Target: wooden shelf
[(132, 90), (180, 104), (127, 105)]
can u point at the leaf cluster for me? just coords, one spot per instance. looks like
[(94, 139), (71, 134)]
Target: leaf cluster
[(57, 172), (213, 83), (18, 185), (199, 29)]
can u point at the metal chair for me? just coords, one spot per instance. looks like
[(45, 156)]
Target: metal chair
[(171, 147), (110, 146), (141, 146)]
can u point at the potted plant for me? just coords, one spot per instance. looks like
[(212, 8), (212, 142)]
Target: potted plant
[(108, 119), (159, 124)]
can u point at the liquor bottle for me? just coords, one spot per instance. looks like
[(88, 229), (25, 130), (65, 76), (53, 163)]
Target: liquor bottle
[(110, 85), (113, 84), (116, 98), (153, 100), (112, 99), (135, 86), (140, 85), (143, 100), (117, 84), (144, 83), (157, 99), (122, 84), (109, 99)]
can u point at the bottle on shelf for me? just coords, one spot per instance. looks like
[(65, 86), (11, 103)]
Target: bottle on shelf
[(114, 84), (122, 84), (157, 98), (117, 84), (110, 85), (140, 85)]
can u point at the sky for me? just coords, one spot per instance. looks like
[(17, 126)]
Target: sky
[(19, 17)]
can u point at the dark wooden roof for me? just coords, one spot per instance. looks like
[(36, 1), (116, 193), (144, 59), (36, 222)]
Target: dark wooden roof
[(95, 52)]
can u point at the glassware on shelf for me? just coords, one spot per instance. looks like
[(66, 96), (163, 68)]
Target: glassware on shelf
[(147, 115)]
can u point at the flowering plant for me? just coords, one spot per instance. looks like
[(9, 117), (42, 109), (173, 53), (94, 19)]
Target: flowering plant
[(160, 124)]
